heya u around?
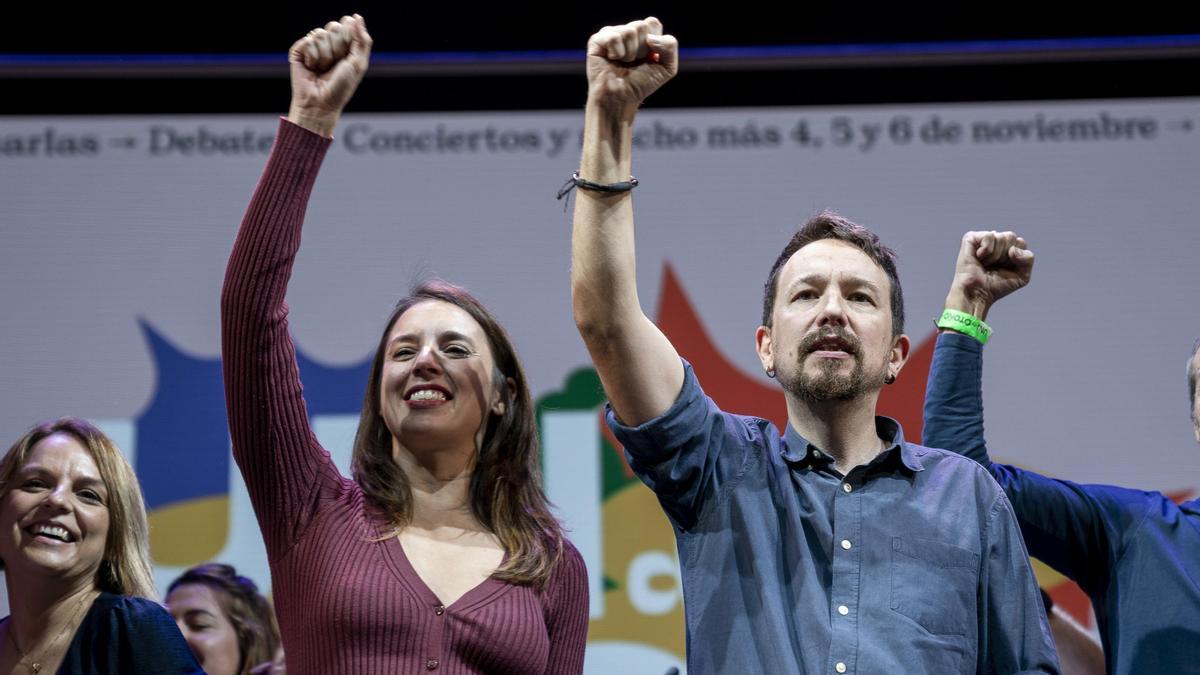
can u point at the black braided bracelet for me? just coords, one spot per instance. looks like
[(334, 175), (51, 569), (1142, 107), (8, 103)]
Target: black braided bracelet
[(576, 182)]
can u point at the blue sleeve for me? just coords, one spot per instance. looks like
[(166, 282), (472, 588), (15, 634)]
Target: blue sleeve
[(1076, 529), (1014, 633), (689, 454), (129, 635), (954, 398)]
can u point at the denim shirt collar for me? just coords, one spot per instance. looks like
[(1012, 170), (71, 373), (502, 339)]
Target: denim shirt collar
[(798, 451)]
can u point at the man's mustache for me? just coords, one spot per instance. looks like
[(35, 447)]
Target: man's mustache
[(836, 338)]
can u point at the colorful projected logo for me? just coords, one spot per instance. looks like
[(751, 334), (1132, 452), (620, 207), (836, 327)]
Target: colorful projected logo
[(183, 457)]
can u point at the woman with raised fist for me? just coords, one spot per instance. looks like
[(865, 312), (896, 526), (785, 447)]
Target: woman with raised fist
[(441, 554)]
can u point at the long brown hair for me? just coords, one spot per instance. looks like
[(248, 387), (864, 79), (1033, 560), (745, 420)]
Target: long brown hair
[(125, 568), (506, 493), (248, 611)]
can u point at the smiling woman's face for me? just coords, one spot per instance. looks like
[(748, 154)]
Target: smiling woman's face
[(54, 517), (437, 385)]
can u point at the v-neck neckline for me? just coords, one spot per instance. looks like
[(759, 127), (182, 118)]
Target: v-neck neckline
[(480, 594)]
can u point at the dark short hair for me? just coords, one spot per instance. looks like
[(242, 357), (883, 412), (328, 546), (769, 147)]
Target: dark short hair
[(830, 225)]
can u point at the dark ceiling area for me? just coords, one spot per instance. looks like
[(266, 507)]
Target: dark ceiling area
[(208, 27), (994, 52)]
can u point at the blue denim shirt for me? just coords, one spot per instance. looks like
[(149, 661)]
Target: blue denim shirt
[(912, 563), (1136, 554)]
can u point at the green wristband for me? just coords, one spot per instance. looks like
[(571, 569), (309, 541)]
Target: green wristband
[(965, 324)]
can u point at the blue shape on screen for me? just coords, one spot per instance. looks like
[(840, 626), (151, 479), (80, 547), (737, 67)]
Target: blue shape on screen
[(183, 434)]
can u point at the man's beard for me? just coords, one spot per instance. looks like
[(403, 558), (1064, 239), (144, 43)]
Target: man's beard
[(828, 384)]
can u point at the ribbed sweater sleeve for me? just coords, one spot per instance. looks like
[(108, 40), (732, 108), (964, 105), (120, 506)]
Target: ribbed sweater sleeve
[(274, 447), (567, 614), (348, 601)]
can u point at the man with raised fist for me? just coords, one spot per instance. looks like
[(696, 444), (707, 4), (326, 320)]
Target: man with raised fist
[(1136, 554), (836, 546)]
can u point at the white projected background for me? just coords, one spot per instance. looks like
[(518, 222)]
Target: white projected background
[(111, 221)]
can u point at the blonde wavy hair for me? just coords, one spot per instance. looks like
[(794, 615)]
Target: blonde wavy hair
[(125, 568)]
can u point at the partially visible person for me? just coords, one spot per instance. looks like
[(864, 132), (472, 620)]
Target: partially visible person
[(74, 546), (1136, 554), (228, 624)]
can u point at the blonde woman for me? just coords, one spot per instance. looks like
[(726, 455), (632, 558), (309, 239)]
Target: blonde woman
[(75, 550)]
